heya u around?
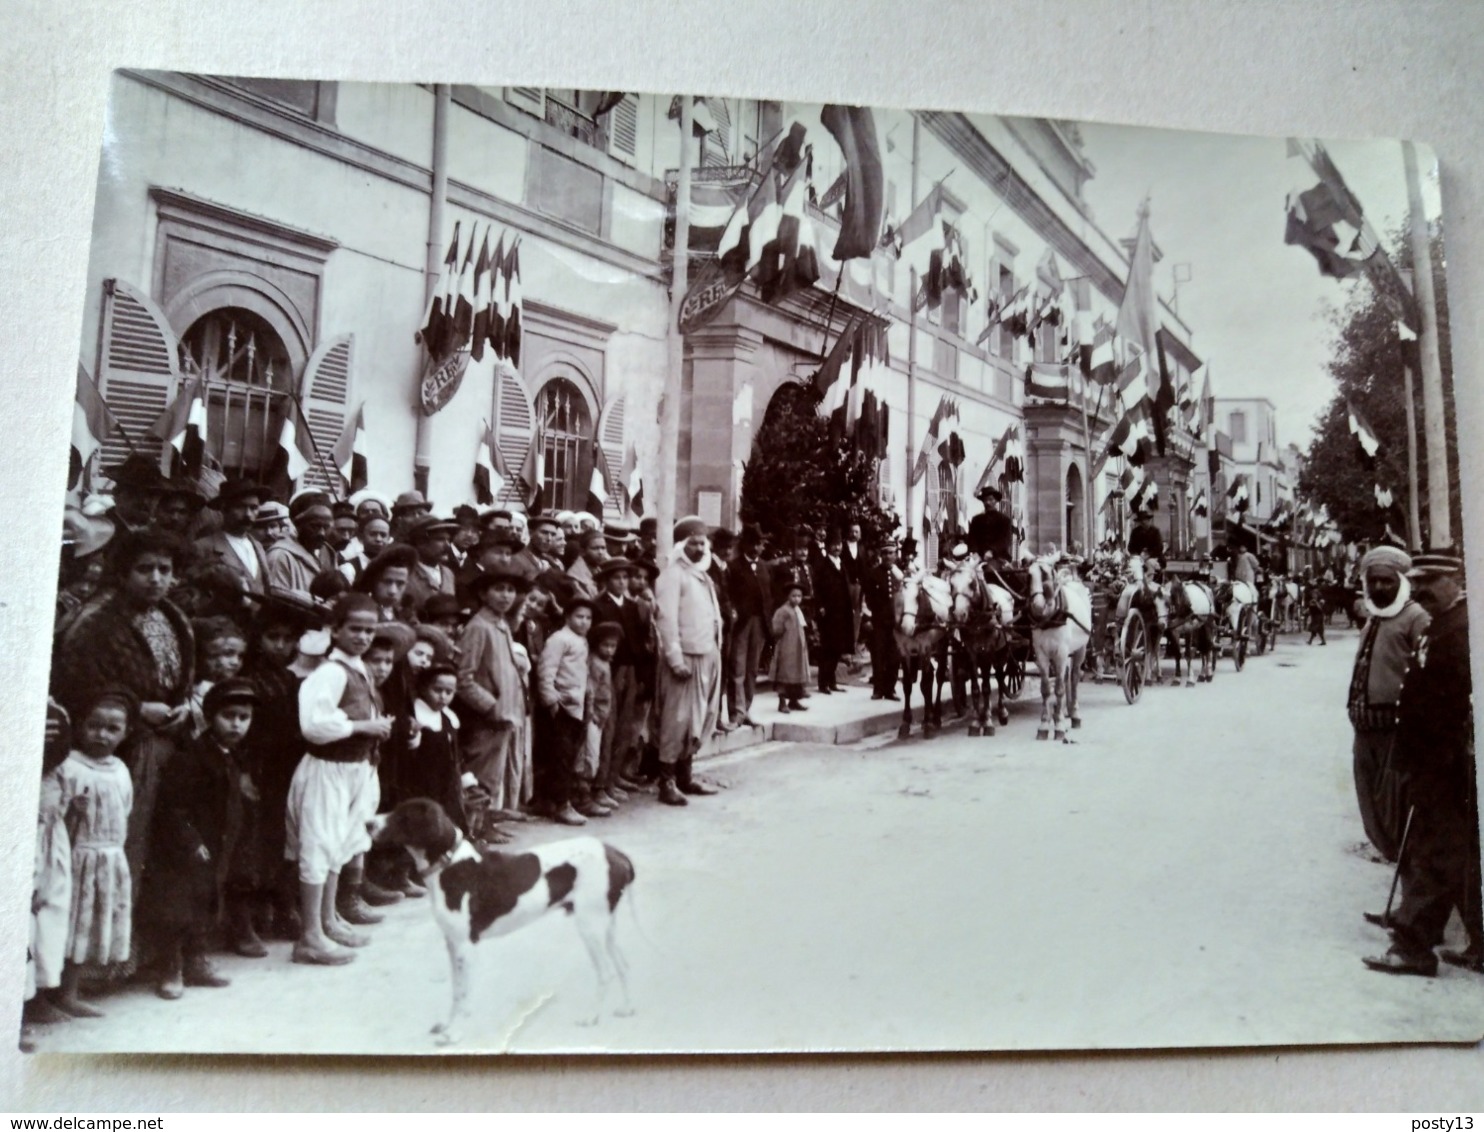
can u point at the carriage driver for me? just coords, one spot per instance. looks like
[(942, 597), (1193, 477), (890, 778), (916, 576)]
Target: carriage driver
[(991, 533), (1145, 538)]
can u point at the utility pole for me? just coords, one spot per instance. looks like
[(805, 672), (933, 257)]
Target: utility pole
[(1414, 521), (1440, 531), (422, 456), (667, 475)]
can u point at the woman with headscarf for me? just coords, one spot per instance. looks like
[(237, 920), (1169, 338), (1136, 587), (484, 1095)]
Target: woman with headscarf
[(1394, 626)]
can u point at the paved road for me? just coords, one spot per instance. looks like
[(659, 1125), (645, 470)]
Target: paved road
[(1187, 873)]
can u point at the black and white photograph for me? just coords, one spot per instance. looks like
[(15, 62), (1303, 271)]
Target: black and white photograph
[(794, 576)]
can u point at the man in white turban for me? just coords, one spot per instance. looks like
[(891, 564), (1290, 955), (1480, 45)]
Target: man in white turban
[(1394, 626)]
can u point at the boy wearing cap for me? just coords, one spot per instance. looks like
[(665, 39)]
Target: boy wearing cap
[(561, 722), (233, 545), (205, 791), (603, 642), (492, 691), (615, 606)]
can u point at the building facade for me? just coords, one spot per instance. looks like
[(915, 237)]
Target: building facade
[(274, 239)]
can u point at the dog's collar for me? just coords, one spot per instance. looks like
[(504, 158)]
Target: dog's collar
[(443, 861)]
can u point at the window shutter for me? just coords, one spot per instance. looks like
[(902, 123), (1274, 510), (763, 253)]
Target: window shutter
[(610, 438), (139, 370), (623, 128), (325, 396), (531, 99), (514, 421)]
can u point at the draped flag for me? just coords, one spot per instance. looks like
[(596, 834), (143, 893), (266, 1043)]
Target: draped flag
[(349, 453), (1383, 497), (1138, 324), (533, 473), (1048, 380), (632, 482), (1327, 220), (296, 447), (1001, 449), (183, 426), (1146, 495), (498, 301), (597, 486), (483, 299), (854, 128), (1237, 495), (490, 474), (1365, 436), (92, 423), (947, 407), (511, 352), (1098, 359), (439, 315), (1198, 505), (920, 221), (788, 261)]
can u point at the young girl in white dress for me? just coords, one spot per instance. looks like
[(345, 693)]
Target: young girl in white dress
[(97, 795)]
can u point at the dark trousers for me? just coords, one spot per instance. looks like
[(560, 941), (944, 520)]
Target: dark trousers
[(728, 688), (1440, 867), (746, 653), (558, 743), (1382, 802), (885, 662), (829, 661)]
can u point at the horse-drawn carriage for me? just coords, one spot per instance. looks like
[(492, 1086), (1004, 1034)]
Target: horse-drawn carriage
[(1120, 645), (1235, 624)]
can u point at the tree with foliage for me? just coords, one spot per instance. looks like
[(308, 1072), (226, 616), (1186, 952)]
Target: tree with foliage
[(1367, 369), (799, 474)]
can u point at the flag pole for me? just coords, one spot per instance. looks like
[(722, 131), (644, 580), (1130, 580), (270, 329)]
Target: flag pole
[(912, 348), (1087, 479), (668, 474), (329, 473), (422, 458), (1439, 522)]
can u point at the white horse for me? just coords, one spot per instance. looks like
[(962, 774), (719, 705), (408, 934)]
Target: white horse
[(1061, 626), (1142, 594)]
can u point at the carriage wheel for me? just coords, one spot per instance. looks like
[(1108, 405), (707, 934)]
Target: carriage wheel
[(1244, 634), (1014, 673), (1133, 648), (1260, 636)]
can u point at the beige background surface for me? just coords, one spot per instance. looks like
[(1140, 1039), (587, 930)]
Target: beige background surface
[(1382, 67)]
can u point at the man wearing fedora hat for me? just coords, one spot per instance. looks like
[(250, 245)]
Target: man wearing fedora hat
[(688, 625), (1145, 538), (294, 561), (407, 507), (429, 536), (1434, 751), (233, 545), (137, 485)]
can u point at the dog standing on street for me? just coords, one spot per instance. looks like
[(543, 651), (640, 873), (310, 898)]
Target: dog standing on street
[(474, 896)]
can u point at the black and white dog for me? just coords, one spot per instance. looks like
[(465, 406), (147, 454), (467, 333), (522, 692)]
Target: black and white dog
[(474, 895)]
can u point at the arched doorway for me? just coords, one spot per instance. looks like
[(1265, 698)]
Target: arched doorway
[(1073, 531), (247, 374), (566, 432)]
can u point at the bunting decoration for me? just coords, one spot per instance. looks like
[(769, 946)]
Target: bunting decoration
[(1048, 381), (1238, 497), (1383, 498), (1138, 325), (349, 453), (597, 488), (1001, 451), (1146, 494), (1198, 505), (1365, 436)]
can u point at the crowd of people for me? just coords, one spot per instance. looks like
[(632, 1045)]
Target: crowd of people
[(239, 684)]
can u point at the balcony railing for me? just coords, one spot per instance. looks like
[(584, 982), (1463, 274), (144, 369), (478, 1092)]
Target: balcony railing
[(574, 123)]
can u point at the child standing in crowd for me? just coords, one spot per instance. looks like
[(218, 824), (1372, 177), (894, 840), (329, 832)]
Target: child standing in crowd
[(790, 666), (220, 648), (492, 691), (356, 892), (1315, 613), (434, 770), (51, 889), (561, 727), (603, 642), (97, 796), (342, 722), (204, 791)]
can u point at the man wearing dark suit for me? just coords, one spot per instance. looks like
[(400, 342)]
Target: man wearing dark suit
[(234, 546), (832, 604), (882, 579), (991, 534), (722, 544), (1146, 539), (853, 554), (749, 586)]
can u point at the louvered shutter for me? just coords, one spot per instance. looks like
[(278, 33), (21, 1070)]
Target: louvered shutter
[(623, 128), (325, 395), (139, 370), (531, 99), (514, 424), (610, 438)]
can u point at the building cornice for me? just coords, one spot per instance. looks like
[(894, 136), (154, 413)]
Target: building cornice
[(178, 204)]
